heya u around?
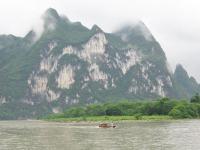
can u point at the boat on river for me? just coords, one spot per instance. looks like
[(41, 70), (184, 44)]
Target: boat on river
[(107, 125)]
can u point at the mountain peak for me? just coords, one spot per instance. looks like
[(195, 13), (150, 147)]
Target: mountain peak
[(135, 30), (189, 85), (181, 70), (51, 19), (51, 12), (96, 28), (180, 73), (51, 16)]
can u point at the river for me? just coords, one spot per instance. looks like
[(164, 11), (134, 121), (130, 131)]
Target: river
[(130, 135)]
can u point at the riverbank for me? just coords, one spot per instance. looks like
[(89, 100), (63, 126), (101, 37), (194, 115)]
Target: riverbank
[(111, 118), (163, 109)]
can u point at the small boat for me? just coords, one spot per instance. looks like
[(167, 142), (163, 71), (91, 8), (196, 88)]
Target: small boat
[(106, 125)]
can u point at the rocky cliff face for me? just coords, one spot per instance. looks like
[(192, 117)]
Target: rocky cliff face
[(70, 64)]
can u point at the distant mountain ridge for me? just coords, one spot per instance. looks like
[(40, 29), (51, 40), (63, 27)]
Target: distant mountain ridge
[(70, 64)]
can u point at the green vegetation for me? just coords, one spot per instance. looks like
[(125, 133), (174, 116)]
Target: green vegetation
[(108, 118), (196, 98), (125, 110)]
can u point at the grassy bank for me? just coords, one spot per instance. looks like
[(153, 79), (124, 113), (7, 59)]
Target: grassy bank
[(110, 118)]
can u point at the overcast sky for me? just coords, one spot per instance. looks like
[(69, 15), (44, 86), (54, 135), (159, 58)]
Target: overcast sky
[(174, 23)]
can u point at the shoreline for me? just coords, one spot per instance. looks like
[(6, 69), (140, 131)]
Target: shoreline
[(112, 118)]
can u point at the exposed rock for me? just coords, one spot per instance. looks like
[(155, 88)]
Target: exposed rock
[(2, 100), (66, 77)]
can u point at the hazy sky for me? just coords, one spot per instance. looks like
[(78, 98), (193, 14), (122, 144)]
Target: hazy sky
[(174, 23)]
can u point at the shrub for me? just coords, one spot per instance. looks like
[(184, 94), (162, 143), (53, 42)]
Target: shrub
[(195, 99), (95, 110), (138, 116), (184, 111), (113, 111), (75, 112)]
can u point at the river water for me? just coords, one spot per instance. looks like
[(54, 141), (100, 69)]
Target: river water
[(130, 135)]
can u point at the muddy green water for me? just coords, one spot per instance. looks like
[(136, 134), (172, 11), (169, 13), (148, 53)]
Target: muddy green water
[(150, 135)]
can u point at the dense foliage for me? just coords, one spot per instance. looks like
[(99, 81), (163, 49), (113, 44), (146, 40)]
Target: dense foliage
[(165, 106), (196, 98)]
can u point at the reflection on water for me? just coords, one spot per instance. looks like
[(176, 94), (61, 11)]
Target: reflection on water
[(38, 135)]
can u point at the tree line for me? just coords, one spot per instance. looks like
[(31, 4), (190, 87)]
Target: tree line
[(164, 106)]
